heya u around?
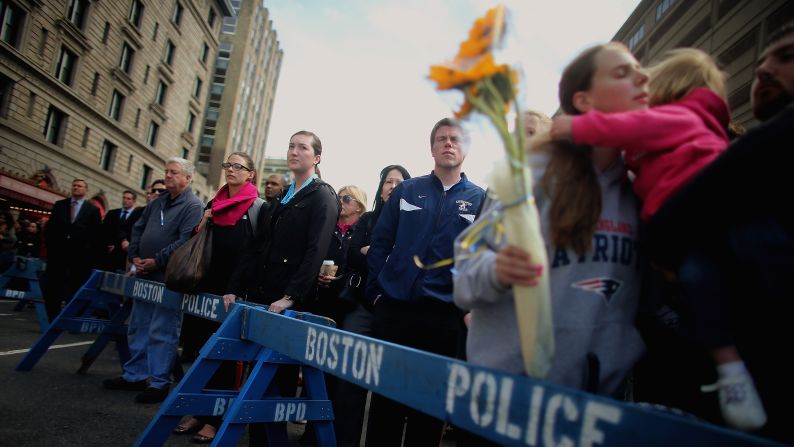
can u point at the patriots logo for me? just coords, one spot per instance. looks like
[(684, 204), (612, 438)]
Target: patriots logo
[(606, 287)]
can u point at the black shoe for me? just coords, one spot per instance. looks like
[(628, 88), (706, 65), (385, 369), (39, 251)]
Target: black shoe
[(152, 395), (120, 384)]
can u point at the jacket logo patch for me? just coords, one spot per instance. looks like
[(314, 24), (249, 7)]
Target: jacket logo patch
[(405, 206), (469, 217), (463, 205), (606, 287)]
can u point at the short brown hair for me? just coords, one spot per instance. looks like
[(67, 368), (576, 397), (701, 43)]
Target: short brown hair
[(446, 122)]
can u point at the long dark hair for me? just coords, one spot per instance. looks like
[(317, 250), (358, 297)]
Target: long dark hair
[(570, 179), (378, 203)]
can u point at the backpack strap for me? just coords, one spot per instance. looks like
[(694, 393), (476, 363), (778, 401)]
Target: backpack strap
[(253, 212)]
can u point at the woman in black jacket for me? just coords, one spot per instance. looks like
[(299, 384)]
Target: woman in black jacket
[(281, 267), (234, 213)]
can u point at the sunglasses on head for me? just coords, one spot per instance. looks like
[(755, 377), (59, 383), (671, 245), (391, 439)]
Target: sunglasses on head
[(234, 166), (346, 199)]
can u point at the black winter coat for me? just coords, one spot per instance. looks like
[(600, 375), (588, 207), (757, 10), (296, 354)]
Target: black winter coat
[(289, 248)]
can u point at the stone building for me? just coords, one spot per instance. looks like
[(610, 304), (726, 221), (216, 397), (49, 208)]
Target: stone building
[(101, 90), (242, 90)]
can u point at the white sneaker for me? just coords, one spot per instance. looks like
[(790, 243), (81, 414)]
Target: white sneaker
[(739, 402)]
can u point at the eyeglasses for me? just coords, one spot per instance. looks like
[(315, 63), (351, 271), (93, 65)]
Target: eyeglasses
[(235, 166), (346, 199), (158, 190)]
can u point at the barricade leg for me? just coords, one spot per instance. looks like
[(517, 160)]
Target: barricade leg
[(189, 396), (72, 319), (118, 315)]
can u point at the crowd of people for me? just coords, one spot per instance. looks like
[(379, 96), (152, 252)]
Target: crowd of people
[(666, 272)]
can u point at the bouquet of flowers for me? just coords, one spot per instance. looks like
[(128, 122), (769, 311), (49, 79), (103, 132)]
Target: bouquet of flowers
[(489, 89)]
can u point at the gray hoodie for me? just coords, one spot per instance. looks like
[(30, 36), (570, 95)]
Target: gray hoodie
[(594, 297)]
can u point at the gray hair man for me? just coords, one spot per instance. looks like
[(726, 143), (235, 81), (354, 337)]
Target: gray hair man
[(153, 334)]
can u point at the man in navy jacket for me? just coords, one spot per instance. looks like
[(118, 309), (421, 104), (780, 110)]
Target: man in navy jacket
[(410, 283)]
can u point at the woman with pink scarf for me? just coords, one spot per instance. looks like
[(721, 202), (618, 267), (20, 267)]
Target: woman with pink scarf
[(232, 213)]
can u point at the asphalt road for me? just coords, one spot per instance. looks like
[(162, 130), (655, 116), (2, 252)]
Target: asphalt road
[(52, 405)]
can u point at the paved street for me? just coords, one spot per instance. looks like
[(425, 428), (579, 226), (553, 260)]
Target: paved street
[(52, 405)]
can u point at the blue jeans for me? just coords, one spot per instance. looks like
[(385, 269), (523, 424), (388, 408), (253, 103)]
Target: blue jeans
[(153, 338)]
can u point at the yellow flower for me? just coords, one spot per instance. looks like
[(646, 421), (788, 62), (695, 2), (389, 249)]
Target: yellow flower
[(460, 73), (486, 33)]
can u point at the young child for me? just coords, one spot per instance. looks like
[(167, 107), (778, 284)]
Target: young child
[(665, 146)]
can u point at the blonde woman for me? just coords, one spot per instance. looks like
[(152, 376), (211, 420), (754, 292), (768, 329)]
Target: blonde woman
[(352, 205)]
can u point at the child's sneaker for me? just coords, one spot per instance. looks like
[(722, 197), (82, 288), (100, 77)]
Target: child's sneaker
[(739, 402)]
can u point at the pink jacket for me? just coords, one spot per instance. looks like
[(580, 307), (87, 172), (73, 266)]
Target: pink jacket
[(664, 146)]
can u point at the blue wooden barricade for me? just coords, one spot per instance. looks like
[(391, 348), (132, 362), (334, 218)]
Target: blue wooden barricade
[(258, 401), (26, 270), (104, 293), (80, 315), (507, 409)]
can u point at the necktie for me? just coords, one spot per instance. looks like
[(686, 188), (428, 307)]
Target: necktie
[(124, 214), (74, 209)]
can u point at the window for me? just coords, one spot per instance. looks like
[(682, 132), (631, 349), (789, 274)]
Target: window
[(127, 54), (64, 70), (197, 88), (185, 153), (211, 18), (54, 126), (637, 37), (76, 12), (146, 75), (95, 84), (6, 85), (177, 16), (162, 89), (229, 25), (156, 30), (107, 156), (45, 34), (151, 137), (86, 135), (169, 52), (116, 104), (205, 53), (191, 120), (105, 33), (129, 164), (662, 8), (136, 13), (137, 118), (146, 176), (11, 19)]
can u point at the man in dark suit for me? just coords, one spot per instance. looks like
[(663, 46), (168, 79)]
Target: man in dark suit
[(117, 228), (72, 246)]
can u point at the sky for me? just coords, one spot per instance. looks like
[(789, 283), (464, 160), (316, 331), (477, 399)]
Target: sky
[(355, 73)]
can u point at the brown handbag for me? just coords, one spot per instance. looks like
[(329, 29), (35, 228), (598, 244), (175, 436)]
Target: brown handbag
[(190, 262)]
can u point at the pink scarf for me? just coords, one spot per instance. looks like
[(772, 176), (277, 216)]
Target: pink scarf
[(226, 211), (344, 227)]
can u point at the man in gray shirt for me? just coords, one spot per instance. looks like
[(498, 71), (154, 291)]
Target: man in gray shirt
[(153, 334)]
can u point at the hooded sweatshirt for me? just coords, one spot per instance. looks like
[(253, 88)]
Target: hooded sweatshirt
[(665, 146), (594, 297)]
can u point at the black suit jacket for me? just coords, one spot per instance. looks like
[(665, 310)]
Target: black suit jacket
[(114, 232), (73, 245)]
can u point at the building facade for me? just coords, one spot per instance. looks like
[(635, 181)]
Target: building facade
[(734, 32), (243, 87), (101, 90)]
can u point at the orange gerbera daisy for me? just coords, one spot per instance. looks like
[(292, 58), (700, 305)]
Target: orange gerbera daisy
[(485, 34), (460, 73)]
